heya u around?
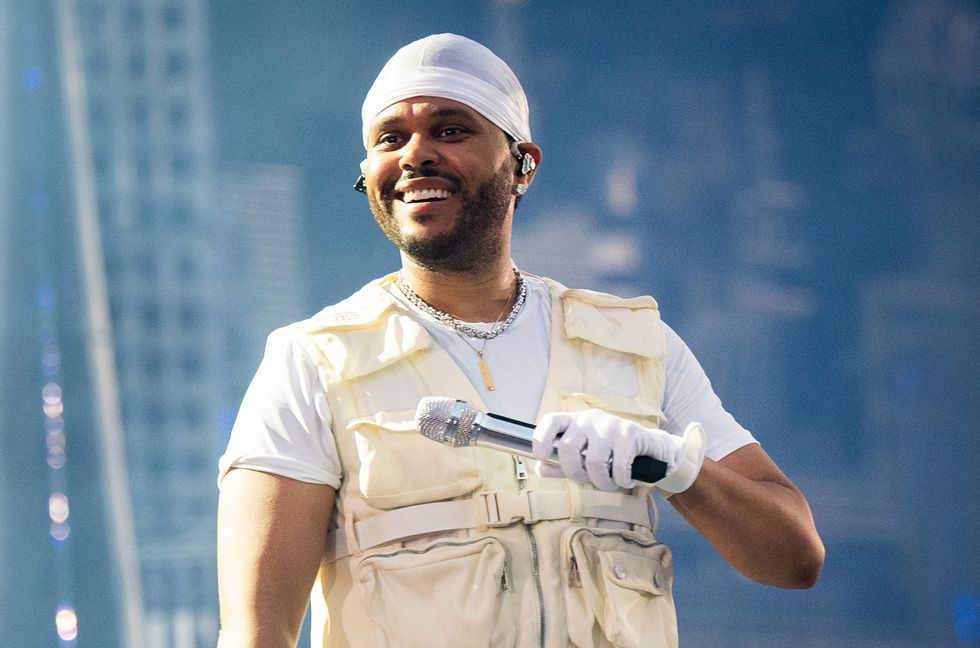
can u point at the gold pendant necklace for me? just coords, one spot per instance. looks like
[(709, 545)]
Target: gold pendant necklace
[(463, 330), (484, 367), (481, 352), (485, 370)]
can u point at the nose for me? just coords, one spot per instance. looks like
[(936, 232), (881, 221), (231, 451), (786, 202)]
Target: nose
[(418, 152)]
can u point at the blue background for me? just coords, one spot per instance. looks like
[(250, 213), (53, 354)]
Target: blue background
[(799, 186)]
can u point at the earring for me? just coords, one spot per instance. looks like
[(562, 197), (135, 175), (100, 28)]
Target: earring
[(359, 184), (520, 189), (526, 159), (527, 163)]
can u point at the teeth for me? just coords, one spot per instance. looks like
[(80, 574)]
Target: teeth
[(425, 194)]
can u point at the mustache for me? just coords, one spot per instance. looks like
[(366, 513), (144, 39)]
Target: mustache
[(388, 188)]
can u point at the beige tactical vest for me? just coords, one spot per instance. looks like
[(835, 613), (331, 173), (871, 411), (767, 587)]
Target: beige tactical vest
[(434, 546)]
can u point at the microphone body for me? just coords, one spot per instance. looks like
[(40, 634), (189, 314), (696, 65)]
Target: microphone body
[(457, 423)]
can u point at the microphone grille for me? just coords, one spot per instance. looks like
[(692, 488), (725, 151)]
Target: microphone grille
[(446, 420)]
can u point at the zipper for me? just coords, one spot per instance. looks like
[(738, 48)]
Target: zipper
[(520, 471), (425, 549), (574, 577)]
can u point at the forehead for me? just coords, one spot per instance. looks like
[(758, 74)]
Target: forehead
[(428, 109)]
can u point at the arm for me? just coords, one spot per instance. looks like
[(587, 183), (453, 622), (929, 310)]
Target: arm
[(755, 518), (271, 533)]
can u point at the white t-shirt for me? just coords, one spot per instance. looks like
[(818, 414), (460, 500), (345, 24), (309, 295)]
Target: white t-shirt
[(284, 423)]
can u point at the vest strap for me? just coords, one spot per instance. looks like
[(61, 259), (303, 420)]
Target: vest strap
[(483, 511)]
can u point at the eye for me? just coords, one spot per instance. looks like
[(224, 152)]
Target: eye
[(452, 132), (388, 140)]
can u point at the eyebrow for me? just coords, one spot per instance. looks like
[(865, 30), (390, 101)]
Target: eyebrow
[(440, 113)]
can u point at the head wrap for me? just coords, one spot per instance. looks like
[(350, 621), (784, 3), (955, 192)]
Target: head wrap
[(451, 67)]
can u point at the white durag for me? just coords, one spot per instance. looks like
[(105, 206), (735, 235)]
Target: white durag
[(451, 67)]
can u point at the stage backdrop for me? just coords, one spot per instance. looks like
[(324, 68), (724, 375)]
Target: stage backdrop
[(798, 184)]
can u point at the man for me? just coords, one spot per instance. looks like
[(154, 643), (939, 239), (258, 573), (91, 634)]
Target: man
[(326, 483)]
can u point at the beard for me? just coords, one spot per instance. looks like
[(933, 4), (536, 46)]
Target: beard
[(476, 239)]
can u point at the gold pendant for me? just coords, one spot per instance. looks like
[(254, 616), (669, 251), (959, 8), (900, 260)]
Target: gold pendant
[(485, 370)]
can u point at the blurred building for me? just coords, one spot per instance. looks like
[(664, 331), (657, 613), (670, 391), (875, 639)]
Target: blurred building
[(919, 327), (57, 580), (149, 129), (200, 266), (263, 268)]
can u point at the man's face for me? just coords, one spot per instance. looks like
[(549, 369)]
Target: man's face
[(439, 177)]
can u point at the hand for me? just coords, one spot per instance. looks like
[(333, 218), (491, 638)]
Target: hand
[(593, 441)]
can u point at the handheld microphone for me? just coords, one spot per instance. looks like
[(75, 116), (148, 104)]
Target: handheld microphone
[(457, 423)]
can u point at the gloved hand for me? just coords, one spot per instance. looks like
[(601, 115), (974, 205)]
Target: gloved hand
[(594, 444)]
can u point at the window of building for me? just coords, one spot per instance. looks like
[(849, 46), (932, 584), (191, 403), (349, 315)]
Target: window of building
[(98, 116), (140, 113), (137, 65), (144, 212), (173, 17), (97, 63), (149, 316), (91, 15), (181, 165), (145, 267), (190, 316), (181, 213), (178, 115), (191, 364), (152, 364), (134, 17), (176, 65), (193, 415), (156, 413), (186, 268), (100, 162)]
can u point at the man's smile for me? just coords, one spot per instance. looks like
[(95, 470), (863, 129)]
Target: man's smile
[(425, 195)]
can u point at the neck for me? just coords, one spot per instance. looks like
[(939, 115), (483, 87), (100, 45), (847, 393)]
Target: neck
[(478, 296)]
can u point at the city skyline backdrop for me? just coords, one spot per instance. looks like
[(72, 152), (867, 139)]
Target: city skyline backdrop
[(798, 186)]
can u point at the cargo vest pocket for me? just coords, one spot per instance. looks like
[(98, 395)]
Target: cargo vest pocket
[(618, 590), (442, 596), (400, 467)]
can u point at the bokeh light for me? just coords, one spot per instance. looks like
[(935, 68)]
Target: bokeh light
[(32, 78), (58, 507), (67, 623), (60, 531)]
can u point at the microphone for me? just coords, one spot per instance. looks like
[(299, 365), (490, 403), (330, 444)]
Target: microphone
[(457, 423)]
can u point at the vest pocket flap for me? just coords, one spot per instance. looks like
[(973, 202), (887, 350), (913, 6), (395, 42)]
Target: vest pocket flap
[(398, 421), (638, 408), (621, 329), (361, 351), (400, 467), (633, 572)]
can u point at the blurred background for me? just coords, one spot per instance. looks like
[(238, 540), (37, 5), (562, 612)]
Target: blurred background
[(797, 183)]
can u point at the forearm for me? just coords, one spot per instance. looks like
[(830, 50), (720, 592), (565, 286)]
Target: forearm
[(761, 525)]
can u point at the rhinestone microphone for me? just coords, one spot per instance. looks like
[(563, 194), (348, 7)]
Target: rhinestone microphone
[(456, 423)]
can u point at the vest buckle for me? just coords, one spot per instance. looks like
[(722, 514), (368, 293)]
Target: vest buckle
[(503, 509)]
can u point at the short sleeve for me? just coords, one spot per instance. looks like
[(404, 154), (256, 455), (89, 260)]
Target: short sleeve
[(284, 424), (688, 397)]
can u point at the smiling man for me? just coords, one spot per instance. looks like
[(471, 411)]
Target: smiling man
[(327, 486)]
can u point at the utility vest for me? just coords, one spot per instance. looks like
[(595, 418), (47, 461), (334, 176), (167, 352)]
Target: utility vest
[(433, 546)]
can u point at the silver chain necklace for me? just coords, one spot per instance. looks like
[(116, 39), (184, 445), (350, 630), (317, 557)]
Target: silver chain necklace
[(459, 325)]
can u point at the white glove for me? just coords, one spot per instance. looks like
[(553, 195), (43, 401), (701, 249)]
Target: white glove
[(592, 442)]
